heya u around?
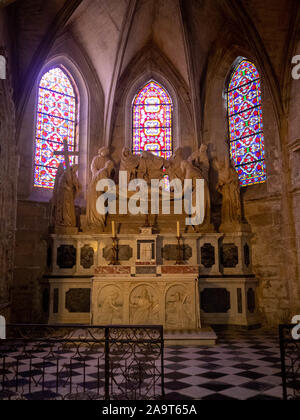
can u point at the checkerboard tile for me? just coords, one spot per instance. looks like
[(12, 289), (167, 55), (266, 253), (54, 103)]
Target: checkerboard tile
[(244, 365)]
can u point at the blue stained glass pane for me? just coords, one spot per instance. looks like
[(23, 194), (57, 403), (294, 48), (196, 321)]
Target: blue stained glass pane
[(246, 124), (249, 149), (56, 122), (152, 121)]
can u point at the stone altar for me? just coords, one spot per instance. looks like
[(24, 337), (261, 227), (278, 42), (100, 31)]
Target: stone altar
[(143, 274), (215, 286)]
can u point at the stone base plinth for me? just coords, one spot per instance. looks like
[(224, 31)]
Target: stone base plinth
[(202, 337), (229, 301), (69, 301)]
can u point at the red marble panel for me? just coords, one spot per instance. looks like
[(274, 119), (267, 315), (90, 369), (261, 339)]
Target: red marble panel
[(180, 269), (113, 270)]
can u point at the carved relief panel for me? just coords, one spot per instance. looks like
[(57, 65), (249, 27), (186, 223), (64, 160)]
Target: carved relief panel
[(110, 306), (144, 306), (178, 308)]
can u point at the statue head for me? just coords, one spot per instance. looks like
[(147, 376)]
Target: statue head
[(203, 148), (126, 152), (60, 170), (103, 152), (145, 293), (177, 297)]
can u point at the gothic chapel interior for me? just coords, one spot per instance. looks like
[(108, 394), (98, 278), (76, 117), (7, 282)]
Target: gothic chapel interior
[(188, 89)]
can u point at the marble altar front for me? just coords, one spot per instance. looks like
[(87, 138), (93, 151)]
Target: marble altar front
[(213, 285)]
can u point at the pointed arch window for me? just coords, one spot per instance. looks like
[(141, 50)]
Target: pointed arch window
[(153, 121), (246, 124), (57, 116)]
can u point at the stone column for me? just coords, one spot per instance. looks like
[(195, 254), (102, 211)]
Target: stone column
[(9, 166)]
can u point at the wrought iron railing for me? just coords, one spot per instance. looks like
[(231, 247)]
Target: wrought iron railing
[(82, 362), (290, 363)]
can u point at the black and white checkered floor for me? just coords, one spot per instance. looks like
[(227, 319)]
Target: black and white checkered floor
[(243, 365)]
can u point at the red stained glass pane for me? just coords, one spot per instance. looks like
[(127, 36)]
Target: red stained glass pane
[(153, 122), (56, 121), (246, 124)]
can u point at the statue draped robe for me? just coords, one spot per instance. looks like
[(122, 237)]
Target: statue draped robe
[(94, 219), (68, 188), (229, 187)]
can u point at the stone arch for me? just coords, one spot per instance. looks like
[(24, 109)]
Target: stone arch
[(90, 116), (71, 69), (136, 86), (149, 64), (219, 71)]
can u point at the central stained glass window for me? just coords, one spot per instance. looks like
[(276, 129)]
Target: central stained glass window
[(246, 124), (56, 122), (152, 121)]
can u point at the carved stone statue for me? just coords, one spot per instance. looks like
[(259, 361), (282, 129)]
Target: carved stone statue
[(173, 166), (59, 173), (100, 160), (192, 172), (129, 163), (150, 167), (200, 160), (229, 187), (67, 187), (94, 219)]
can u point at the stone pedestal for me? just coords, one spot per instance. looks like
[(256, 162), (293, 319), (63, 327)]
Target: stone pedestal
[(70, 301), (236, 256), (229, 301)]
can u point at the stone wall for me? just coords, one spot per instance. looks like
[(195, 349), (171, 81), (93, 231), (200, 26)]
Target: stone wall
[(30, 261), (8, 177)]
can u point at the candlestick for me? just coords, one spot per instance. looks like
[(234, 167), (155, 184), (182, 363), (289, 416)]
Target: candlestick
[(178, 229), (113, 228), (115, 252), (179, 259)]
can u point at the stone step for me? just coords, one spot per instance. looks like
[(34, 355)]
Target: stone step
[(203, 337)]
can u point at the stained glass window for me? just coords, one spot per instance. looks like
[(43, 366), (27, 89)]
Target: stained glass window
[(152, 121), (246, 124), (56, 122)]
